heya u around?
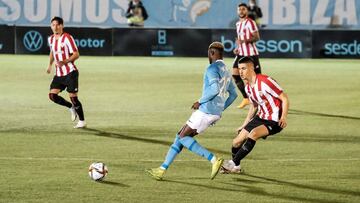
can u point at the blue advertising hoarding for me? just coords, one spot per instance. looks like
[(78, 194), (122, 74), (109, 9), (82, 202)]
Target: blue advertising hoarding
[(90, 41), (215, 14)]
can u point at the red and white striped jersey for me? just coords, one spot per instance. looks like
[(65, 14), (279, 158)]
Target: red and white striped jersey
[(265, 95), (62, 48), (245, 30)]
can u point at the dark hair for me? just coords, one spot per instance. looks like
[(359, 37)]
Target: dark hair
[(58, 19), (243, 4), (246, 59)]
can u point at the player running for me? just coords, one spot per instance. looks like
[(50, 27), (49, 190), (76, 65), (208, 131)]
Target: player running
[(273, 104), (247, 34), (217, 83), (64, 52)]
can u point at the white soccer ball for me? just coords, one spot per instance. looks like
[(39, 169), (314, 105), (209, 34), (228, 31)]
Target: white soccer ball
[(98, 171)]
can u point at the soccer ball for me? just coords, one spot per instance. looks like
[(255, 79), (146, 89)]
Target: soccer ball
[(98, 171)]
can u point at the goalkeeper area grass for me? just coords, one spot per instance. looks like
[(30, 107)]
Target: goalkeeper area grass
[(134, 106)]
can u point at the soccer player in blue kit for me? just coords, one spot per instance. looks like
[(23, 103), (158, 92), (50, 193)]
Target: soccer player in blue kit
[(208, 110)]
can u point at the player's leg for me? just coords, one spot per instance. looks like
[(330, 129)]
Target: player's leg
[(56, 86), (256, 64), (174, 150), (229, 165), (72, 89), (198, 123), (187, 140), (238, 141), (54, 96), (79, 110), (239, 82), (254, 135)]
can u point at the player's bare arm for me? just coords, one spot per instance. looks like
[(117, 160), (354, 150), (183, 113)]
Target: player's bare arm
[(251, 113), (50, 63), (72, 58), (285, 108), (236, 51)]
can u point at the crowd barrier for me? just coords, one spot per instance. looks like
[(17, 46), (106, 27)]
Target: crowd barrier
[(183, 42)]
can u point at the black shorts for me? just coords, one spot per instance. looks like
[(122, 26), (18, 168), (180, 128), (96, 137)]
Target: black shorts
[(272, 126), (256, 63), (70, 82)]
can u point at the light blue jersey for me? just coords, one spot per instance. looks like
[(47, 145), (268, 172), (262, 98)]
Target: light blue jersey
[(217, 82)]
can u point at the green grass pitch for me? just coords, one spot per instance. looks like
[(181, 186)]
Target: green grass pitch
[(135, 105)]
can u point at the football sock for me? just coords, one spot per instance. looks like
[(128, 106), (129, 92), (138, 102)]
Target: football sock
[(78, 107), (59, 100), (174, 150), (195, 147), (240, 84), (234, 150), (244, 150)]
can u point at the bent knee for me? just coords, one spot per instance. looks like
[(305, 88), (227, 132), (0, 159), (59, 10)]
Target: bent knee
[(52, 96), (254, 135), (236, 143)]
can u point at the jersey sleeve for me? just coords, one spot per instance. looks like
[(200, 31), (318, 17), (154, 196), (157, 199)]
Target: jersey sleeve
[(213, 87), (273, 87), (252, 26), (70, 43), (232, 95)]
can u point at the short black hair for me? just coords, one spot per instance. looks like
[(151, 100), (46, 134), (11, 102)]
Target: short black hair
[(58, 19), (243, 4), (246, 59)]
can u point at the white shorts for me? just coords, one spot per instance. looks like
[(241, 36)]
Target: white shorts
[(201, 121)]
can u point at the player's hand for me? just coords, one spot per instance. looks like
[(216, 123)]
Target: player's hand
[(239, 129), (48, 70), (283, 122), (196, 105), (240, 41), (236, 51)]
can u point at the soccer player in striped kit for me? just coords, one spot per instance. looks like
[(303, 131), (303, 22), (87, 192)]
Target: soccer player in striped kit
[(247, 34), (64, 52), (266, 95)]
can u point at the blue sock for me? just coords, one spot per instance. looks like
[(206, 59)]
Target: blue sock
[(174, 150), (195, 147)]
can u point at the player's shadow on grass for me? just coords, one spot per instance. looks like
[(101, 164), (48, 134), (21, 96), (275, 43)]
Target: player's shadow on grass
[(300, 186), (256, 191), (112, 183), (139, 139), (211, 185), (300, 112), (314, 138)]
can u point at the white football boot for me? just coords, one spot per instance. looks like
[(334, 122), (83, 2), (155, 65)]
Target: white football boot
[(80, 124), (229, 167), (73, 114)]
